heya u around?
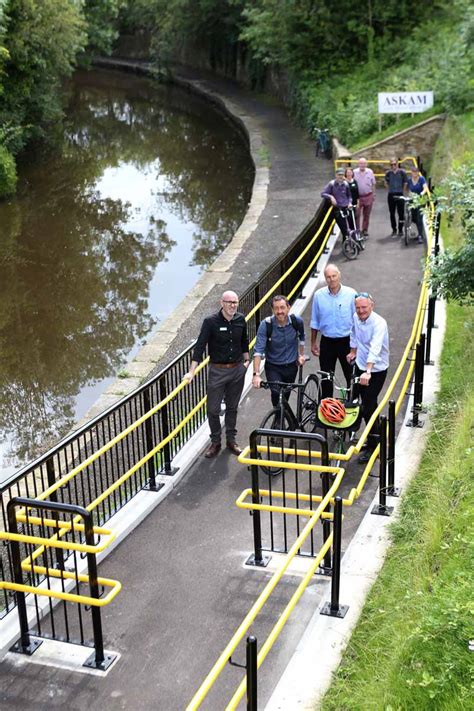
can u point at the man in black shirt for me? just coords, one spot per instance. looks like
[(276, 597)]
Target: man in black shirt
[(395, 181), (225, 334)]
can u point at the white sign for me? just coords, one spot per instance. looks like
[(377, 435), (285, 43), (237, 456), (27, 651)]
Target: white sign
[(405, 102)]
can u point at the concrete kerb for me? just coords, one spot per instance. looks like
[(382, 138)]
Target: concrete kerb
[(309, 674)]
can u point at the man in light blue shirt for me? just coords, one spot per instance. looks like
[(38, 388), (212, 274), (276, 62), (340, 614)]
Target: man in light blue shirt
[(370, 349), (332, 315), (280, 340)]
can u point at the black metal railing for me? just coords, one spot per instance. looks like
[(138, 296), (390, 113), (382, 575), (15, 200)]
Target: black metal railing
[(299, 489), (132, 463), (55, 573)]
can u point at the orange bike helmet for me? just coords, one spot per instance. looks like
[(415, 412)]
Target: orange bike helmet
[(332, 410)]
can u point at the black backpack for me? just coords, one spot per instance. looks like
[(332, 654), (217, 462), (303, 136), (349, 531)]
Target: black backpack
[(294, 322)]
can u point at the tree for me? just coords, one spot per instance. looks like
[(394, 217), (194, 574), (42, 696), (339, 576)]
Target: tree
[(102, 23), (452, 272), (42, 38)]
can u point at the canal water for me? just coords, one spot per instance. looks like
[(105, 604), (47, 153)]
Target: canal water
[(113, 223)]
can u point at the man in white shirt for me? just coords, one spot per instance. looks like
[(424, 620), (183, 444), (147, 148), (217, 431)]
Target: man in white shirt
[(332, 315), (370, 349)]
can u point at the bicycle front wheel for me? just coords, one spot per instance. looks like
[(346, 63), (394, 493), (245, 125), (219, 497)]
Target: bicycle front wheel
[(273, 420), (338, 446), (310, 397), (350, 249)]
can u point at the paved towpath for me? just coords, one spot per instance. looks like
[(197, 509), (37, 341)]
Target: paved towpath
[(185, 587)]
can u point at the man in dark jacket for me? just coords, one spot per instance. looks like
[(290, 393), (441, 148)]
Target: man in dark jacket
[(225, 335), (339, 193)]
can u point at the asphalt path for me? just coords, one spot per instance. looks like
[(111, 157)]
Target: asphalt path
[(185, 586)]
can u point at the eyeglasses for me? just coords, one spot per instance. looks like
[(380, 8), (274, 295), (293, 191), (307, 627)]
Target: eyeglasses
[(231, 303), (393, 163), (364, 295)]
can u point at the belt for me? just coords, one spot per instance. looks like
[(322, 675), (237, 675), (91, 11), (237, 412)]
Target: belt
[(366, 194), (226, 365), (336, 338)]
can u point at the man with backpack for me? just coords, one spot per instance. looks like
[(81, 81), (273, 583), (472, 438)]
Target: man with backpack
[(280, 340)]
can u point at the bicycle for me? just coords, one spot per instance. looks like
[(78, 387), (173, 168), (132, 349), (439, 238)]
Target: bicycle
[(343, 432), (410, 230), (283, 418), (323, 142), (355, 240)]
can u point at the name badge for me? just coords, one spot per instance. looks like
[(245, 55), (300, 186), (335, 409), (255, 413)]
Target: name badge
[(223, 328)]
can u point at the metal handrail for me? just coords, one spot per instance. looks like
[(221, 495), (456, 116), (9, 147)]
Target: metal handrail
[(267, 591), (347, 162)]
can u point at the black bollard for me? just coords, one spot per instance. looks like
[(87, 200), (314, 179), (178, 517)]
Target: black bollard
[(381, 509), (334, 608)]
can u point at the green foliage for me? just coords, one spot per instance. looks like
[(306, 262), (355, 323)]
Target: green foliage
[(8, 177), (335, 69), (437, 56), (102, 23), (42, 38), (452, 272)]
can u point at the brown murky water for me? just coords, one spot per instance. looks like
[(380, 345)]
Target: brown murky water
[(111, 227)]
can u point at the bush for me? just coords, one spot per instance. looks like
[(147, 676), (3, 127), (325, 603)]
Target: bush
[(8, 176)]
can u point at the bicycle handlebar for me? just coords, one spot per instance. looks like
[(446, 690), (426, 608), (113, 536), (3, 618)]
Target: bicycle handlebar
[(355, 379), (265, 384)]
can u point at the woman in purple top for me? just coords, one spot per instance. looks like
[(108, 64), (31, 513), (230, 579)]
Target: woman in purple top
[(417, 184)]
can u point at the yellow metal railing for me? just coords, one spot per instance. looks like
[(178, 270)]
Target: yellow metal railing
[(319, 513), (403, 162), (52, 542), (263, 597)]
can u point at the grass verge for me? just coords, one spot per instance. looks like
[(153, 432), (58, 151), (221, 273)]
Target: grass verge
[(410, 648)]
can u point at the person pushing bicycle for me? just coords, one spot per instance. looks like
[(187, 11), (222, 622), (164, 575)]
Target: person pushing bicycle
[(280, 340), (340, 196)]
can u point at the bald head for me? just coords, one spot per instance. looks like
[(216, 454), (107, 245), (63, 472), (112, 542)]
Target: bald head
[(333, 278), (229, 304)]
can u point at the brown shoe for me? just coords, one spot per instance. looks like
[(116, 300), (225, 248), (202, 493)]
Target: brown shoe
[(213, 450), (234, 448)]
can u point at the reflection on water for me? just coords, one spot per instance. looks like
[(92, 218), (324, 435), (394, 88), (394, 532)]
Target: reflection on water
[(110, 229)]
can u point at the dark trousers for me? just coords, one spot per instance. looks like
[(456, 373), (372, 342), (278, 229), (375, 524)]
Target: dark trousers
[(341, 222), (332, 350), (285, 373), (369, 394), (224, 384), (396, 206), (417, 217)]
